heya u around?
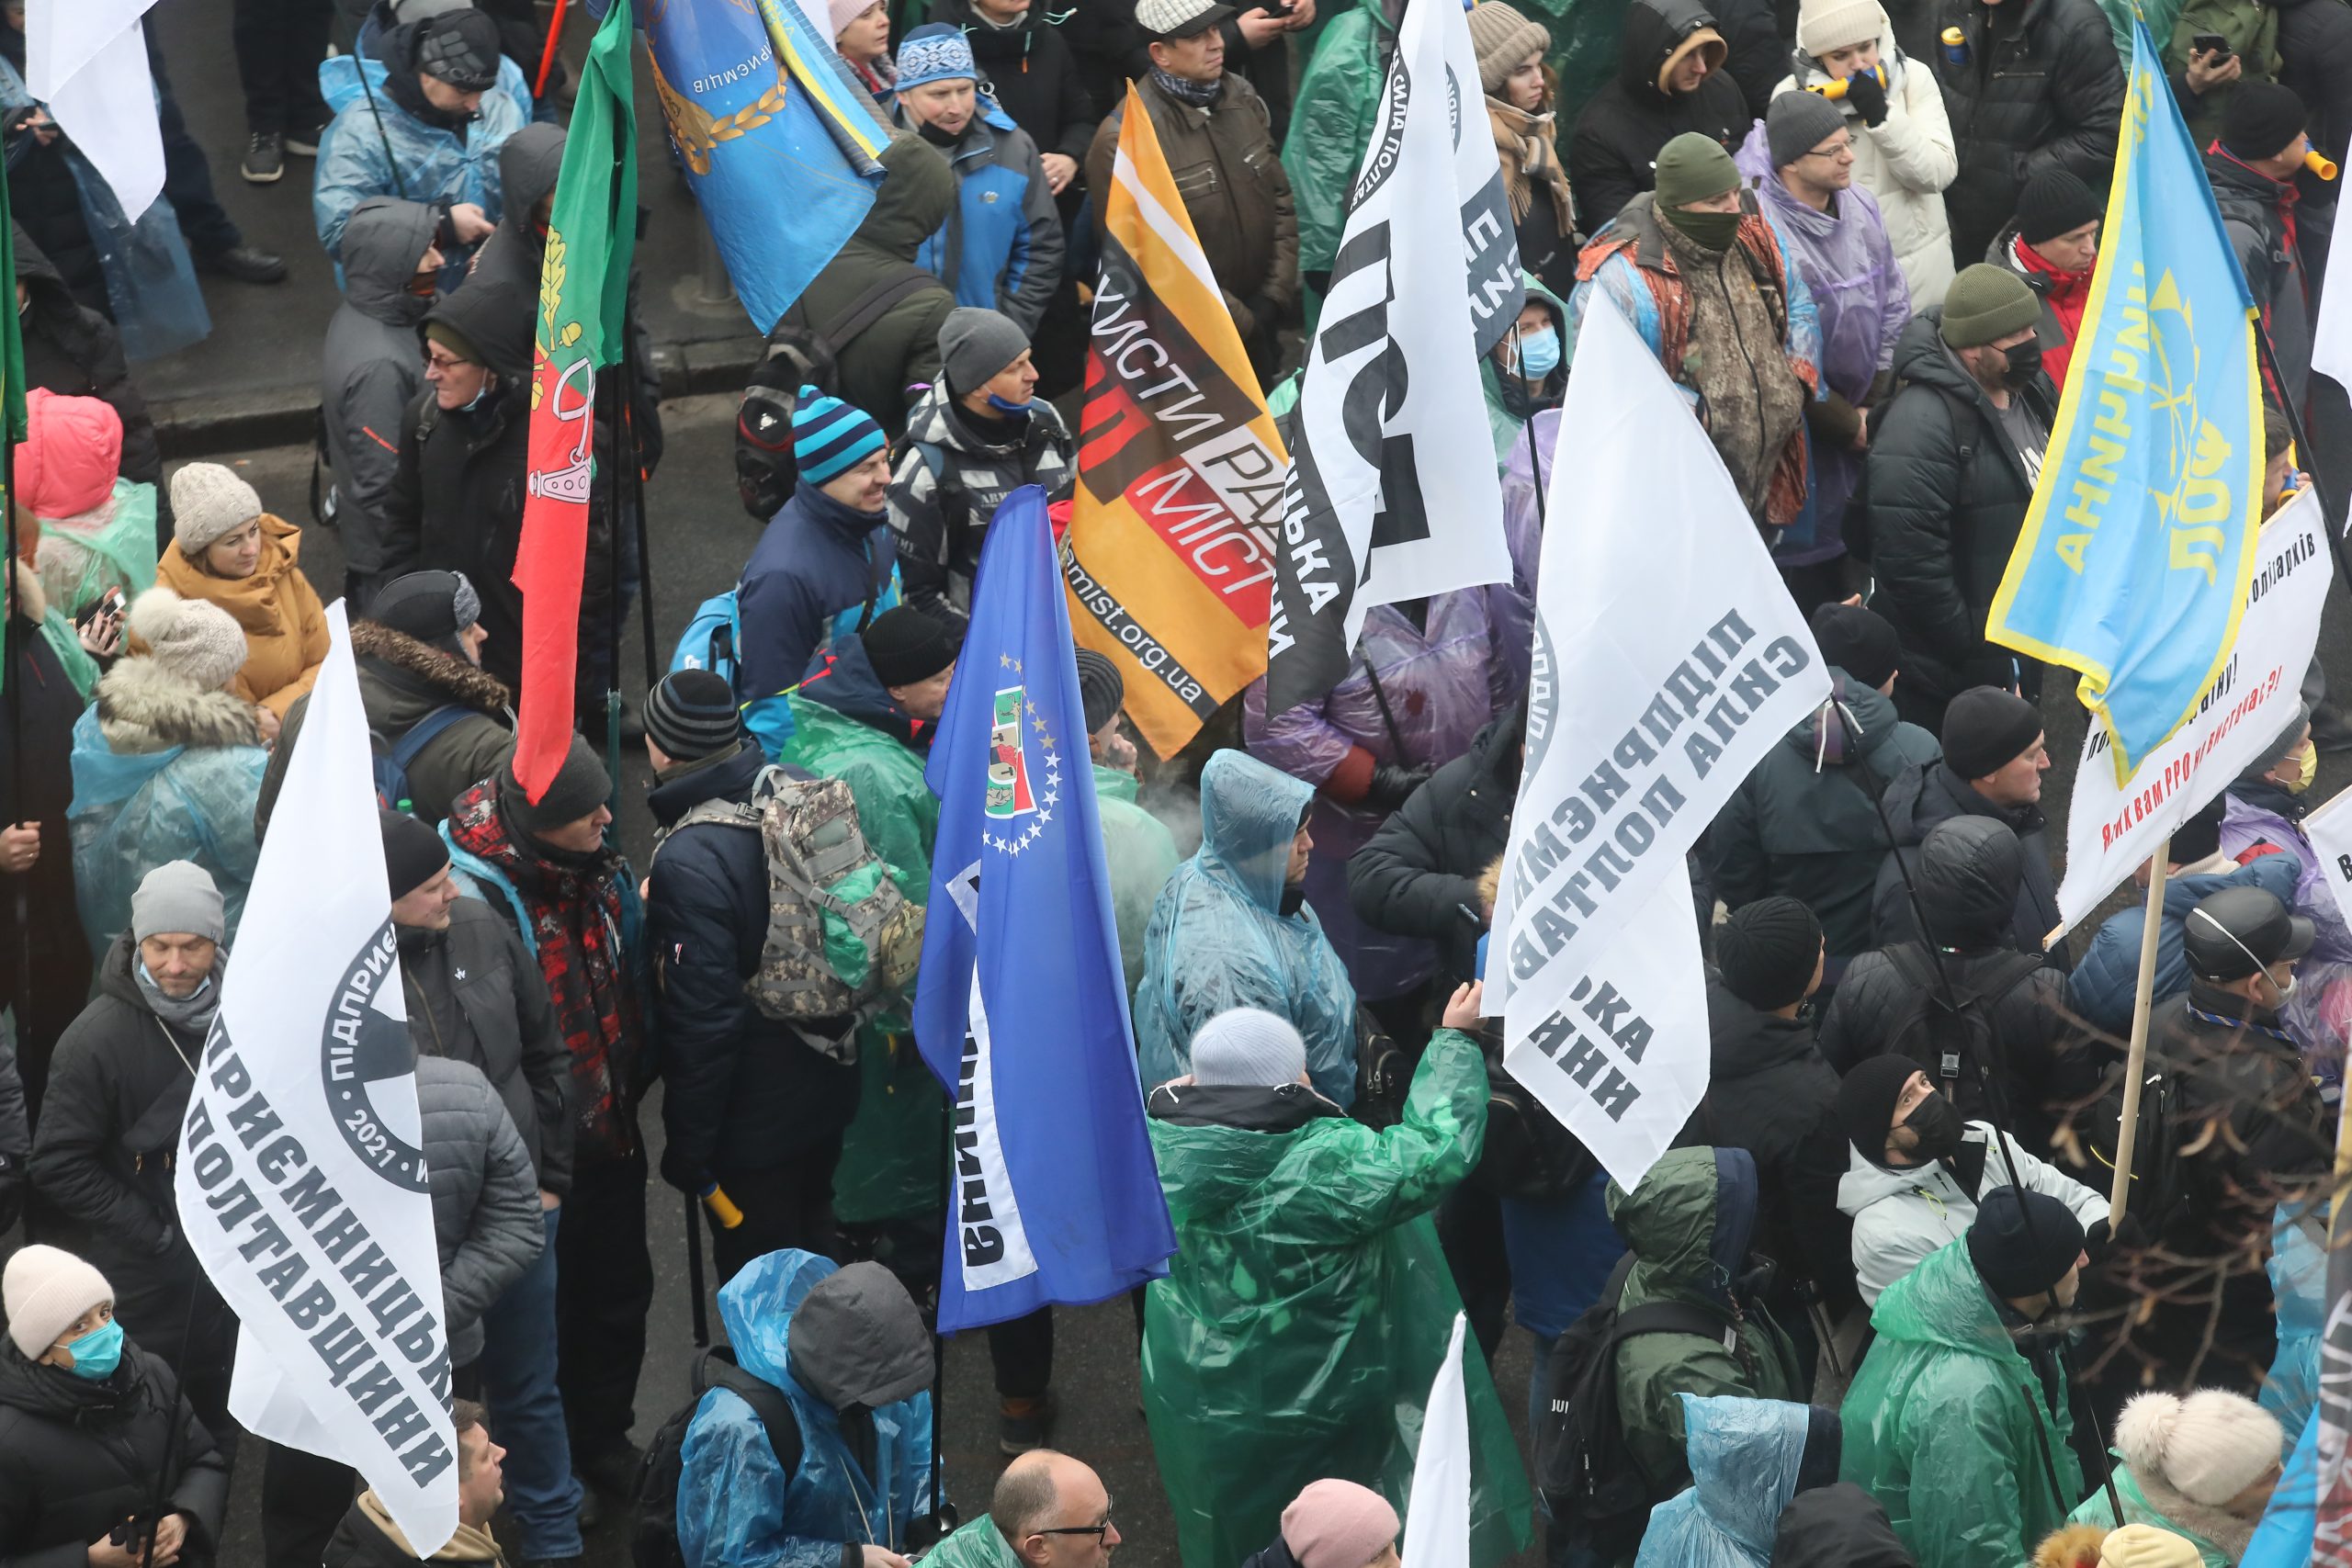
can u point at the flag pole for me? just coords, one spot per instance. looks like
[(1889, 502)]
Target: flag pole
[(2135, 1066), (2303, 449)]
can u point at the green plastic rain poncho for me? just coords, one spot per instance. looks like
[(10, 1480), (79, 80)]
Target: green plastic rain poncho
[(1950, 1428), (1139, 853), (1330, 125), (1309, 1305), (111, 546)]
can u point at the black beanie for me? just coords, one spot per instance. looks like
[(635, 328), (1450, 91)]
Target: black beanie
[(2262, 119), (431, 606), (1100, 688), (1767, 951), (2200, 836), (2054, 202), (2023, 1243), (413, 852), (905, 646), (1985, 728), (1858, 641), (580, 786), (1866, 1101)]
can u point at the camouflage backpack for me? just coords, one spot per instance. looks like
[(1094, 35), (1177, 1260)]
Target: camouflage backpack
[(841, 940)]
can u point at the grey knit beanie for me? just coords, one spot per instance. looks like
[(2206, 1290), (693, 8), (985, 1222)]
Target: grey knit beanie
[(1250, 1047), (973, 345), (199, 642), (177, 898), (1503, 38), (209, 500), (1797, 122)]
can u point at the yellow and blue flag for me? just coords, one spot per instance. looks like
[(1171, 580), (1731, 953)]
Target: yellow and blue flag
[(2133, 564)]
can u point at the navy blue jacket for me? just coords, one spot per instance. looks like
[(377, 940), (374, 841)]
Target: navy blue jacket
[(806, 581)]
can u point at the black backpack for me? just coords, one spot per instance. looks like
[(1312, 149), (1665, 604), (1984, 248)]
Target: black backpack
[(1951, 1033), (653, 1500), (1598, 1498)]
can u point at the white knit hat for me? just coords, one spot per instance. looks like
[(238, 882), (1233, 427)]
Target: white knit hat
[(209, 500), (1822, 26), (197, 641), (1250, 1047), (2145, 1546), (46, 1289), (2208, 1447)]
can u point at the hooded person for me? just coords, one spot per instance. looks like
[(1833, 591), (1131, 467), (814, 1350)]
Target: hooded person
[(1918, 1170), (430, 133), (370, 373), (1330, 121), (1838, 1526), (89, 1419), (75, 350), (1231, 929), (98, 528), (2200, 1467), (846, 1353), (2052, 244), (229, 551), (1526, 371), (1748, 1457), (2267, 803), (1137, 849), (168, 765), (1959, 1421), (1277, 1195), (1670, 81)]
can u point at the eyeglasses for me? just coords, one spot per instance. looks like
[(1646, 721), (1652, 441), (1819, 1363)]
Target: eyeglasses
[(447, 362), (1097, 1531), (1839, 151)]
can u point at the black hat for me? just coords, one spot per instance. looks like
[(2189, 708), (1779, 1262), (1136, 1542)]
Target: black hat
[(1985, 728), (1100, 688), (905, 646), (413, 852), (2023, 1243), (2240, 929), (459, 48), (431, 606), (2054, 202), (2262, 120), (691, 714), (2200, 836), (579, 788), (1866, 1097), (1858, 641), (1767, 952)]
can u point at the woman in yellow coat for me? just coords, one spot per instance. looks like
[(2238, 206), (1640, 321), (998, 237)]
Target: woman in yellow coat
[(227, 550)]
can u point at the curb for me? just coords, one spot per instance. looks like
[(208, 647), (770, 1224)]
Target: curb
[(287, 416)]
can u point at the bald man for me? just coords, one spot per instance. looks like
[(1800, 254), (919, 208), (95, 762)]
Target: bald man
[(1048, 1511)]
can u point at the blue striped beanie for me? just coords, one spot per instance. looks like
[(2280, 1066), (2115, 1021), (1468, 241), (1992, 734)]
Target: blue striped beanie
[(830, 437)]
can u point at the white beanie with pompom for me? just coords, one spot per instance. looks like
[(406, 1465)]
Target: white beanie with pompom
[(199, 642), (2208, 1447)]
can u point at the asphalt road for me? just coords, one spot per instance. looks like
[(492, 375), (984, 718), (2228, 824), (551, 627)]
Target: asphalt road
[(700, 538)]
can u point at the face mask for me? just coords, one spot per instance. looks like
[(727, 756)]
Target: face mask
[(2306, 770), (2283, 992), (1936, 1123), (1002, 406), (1539, 354), (2025, 364), (98, 1352), (1708, 230), (488, 385)]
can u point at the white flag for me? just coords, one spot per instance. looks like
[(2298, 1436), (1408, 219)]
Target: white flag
[(2331, 333), (301, 1181), (1393, 491), (2112, 828), (1437, 1516), (88, 61), (1668, 659)]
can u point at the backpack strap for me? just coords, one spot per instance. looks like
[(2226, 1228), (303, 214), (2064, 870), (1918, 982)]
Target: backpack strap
[(716, 1368), (423, 733), (1672, 1317), (868, 308), (725, 813)]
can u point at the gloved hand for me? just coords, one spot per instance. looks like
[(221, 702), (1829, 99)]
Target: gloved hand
[(1863, 90), (685, 1173), (1391, 784), (2101, 1239)]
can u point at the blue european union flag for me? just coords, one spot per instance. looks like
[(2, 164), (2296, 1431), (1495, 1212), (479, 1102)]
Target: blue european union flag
[(1022, 1007), (2134, 563)]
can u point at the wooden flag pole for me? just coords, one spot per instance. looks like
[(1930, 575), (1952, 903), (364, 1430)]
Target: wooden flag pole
[(2135, 1066)]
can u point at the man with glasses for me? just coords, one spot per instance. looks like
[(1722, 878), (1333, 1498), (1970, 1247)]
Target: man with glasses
[(1048, 1511), (1800, 159)]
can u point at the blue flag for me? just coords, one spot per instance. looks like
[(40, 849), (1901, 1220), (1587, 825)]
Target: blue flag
[(1021, 1010), (2134, 563), (781, 146)]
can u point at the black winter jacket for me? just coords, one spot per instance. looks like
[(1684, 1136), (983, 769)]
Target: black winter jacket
[(486, 1214), (1109, 49), (2284, 287), (2044, 91), (1928, 795), (2032, 1065), (741, 1091), (1618, 135), (73, 350), (1948, 496), (1418, 876), (78, 1455), (1034, 76)]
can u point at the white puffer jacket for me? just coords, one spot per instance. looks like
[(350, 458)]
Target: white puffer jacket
[(1905, 163), (1900, 1216)]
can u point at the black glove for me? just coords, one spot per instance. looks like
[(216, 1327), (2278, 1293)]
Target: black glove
[(681, 1173), (2102, 1239), (1391, 784), (1867, 98)]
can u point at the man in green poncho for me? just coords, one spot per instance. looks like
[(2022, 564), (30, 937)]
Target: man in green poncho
[(1048, 1511), (1308, 1306)]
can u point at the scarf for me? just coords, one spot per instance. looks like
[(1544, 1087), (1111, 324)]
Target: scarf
[(1526, 145), (187, 1015), (1200, 94), (875, 75)]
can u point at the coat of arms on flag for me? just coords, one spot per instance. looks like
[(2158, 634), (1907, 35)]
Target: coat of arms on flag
[(1011, 791)]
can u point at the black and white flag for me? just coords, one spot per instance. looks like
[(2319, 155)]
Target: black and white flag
[(1393, 491)]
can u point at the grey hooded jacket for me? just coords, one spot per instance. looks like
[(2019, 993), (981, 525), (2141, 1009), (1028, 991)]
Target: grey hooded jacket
[(485, 1204), (371, 371)]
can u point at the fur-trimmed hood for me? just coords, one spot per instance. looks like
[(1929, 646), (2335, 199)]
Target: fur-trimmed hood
[(2219, 1526), (413, 664), (143, 707)]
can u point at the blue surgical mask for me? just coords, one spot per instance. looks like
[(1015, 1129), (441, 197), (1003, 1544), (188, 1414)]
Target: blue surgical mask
[(98, 1352), (1539, 354), (1003, 407), (488, 385)]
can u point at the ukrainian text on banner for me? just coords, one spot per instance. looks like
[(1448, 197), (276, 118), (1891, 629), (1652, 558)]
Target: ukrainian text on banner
[(782, 149), (2133, 561), (302, 1183), (1668, 660), (1170, 554), (2112, 827), (1393, 491)]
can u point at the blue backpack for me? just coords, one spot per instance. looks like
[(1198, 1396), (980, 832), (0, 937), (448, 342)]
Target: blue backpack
[(711, 638), (392, 763)]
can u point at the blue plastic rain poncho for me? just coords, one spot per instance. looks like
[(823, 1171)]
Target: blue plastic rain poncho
[(1745, 1455), (433, 166), (1219, 938), (2299, 1281), (151, 281), (736, 1507)]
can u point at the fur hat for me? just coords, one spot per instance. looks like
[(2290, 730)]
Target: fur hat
[(1503, 38), (46, 1289), (199, 642), (209, 500), (2208, 1447), (2070, 1546)]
